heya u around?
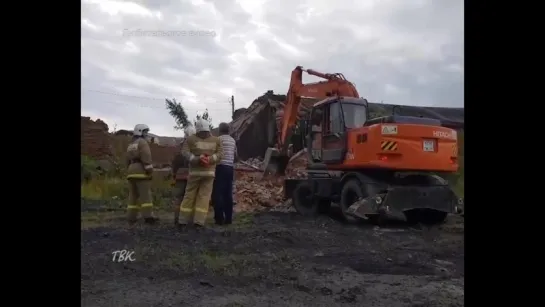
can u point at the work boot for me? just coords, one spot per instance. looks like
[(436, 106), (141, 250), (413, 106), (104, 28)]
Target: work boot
[(219, 222), (176, 221), (151, 220), (199, 227), (132, 222)]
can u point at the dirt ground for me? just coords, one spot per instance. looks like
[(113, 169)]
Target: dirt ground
[(273, 259)]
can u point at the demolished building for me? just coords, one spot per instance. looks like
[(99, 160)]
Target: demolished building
[(255, 129)]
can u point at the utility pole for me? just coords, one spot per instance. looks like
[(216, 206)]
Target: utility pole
[(232, 106)]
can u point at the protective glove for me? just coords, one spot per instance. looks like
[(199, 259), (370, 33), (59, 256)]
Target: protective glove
[(173, 182), (205, 160)]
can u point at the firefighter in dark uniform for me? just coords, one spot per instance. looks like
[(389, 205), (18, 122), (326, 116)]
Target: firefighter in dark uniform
[(139, 172), (180, 171)]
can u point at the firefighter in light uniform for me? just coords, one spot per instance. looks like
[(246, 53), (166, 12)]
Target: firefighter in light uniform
[(180, 171), (203, 151), (139, 172)]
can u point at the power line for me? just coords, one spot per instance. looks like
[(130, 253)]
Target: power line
[(138, 105), (147, 98)]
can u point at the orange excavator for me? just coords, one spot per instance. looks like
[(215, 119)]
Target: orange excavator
[(373, 169)]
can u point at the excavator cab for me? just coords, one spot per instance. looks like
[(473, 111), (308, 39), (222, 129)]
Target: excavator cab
[(331, 89), (326, 132), (329, 122)]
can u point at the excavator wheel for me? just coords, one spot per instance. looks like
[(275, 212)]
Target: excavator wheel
[(324, 206), (353, 190), (303, 202)]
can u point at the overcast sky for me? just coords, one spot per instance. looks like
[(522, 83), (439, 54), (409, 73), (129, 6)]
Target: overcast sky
[(136, 53)]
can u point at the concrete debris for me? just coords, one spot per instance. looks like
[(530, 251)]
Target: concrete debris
[(253, 192)]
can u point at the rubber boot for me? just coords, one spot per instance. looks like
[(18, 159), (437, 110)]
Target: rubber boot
[(176, 213)]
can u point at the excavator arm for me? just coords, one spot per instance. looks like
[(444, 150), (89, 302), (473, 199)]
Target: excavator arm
[(334, 85)]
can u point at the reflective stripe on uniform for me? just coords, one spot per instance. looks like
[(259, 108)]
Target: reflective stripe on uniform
[(206, 145), (149, 166), (137, 176), (131, 207), (202, 173), (191, 210), (146, 205)]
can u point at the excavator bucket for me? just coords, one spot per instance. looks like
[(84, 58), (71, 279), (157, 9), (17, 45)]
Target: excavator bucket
[(275, 163)]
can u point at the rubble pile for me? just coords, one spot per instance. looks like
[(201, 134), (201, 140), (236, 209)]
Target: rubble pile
[(253, 192)]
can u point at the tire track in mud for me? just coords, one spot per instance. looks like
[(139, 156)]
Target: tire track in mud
[(282, 258)]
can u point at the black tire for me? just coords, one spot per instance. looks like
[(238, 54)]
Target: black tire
[(351, 191), (362, 190), (324, 206), (302, 200)]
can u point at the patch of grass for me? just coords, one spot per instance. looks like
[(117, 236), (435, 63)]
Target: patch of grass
[(103, 188), (243, 220), (212, 261), (112, 188), (99, 219), (458, 178)]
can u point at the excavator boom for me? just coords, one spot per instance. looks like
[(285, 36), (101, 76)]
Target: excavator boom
[(276, 159)]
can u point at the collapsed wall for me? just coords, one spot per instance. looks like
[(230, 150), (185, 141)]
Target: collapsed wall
[(97, 143), (94, 139)]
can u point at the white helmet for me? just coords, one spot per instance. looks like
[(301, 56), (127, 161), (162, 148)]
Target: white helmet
[(202, 125), (189, 131), (140, 130)]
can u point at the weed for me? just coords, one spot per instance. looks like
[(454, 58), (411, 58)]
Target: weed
[(243, 220), (117, 189)]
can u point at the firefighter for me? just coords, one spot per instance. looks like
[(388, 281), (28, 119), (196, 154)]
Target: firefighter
[(203, 151), (180, 170), (139, 172)]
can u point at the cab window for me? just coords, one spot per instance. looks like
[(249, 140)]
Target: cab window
[(335, 118), (355, 115)]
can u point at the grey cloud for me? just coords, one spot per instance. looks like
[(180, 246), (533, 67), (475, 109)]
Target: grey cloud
[(406, 52)]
